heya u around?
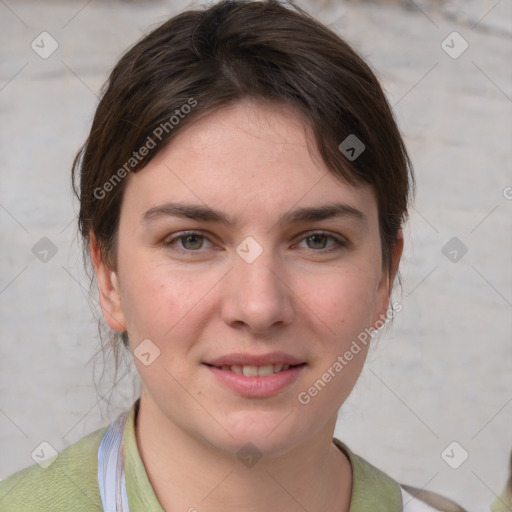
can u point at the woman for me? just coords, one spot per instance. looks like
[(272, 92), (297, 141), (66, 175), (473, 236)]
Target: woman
[(242, 195)]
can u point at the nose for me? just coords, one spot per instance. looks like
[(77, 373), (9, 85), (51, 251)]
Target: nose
[(257, 295)]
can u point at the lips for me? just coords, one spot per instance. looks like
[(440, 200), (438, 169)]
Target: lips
[(255, 360), (255, 371), (254, 375)]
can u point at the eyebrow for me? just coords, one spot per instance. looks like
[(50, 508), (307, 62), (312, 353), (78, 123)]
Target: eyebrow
[(205, 213)]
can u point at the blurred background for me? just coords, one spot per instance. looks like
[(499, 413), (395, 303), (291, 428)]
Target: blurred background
[(433, 406)]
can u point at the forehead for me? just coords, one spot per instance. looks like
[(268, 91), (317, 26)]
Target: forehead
[(249, 159)]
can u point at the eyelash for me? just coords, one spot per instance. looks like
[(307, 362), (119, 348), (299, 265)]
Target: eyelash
[(339, 242)]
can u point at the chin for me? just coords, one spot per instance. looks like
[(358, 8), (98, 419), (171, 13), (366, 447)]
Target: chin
[(270, 434)]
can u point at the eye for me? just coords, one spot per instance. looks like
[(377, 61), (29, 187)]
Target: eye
[(318, 241), (191, 241)]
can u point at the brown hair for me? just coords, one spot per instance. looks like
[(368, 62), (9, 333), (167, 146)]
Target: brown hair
[(206, 59)]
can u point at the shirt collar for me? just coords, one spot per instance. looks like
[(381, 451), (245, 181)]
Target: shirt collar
[(371, 488), (141, 496)]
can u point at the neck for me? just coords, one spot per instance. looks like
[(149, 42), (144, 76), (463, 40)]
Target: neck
[(189, 474)]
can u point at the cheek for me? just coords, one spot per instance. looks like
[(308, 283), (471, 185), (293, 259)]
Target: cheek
[(162, 306), (156, 298), (345, 304), (344, 300)]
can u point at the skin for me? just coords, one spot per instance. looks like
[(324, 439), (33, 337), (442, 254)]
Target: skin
[(198, 299)]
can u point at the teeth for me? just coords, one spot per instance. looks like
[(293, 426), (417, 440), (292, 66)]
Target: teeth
[(265, 371), (256, 371), (250, 371), (236, 369)]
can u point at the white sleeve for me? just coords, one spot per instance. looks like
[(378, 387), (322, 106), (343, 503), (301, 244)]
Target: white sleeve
[(412, 504)]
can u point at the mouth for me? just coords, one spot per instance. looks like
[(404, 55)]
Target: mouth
[(256, 376), (256, 371)]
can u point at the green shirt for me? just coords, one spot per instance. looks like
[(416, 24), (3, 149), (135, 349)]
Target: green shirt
[(70, 483), (503, 502)]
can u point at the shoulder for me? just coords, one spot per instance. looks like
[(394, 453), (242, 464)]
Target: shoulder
[(69, 483), (370, 483), (503, 502), (419, 500)]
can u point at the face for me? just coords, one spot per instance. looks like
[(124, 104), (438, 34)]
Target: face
[(247, 287)]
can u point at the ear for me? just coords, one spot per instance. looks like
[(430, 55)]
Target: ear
[(386, 282), (108, 284)]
